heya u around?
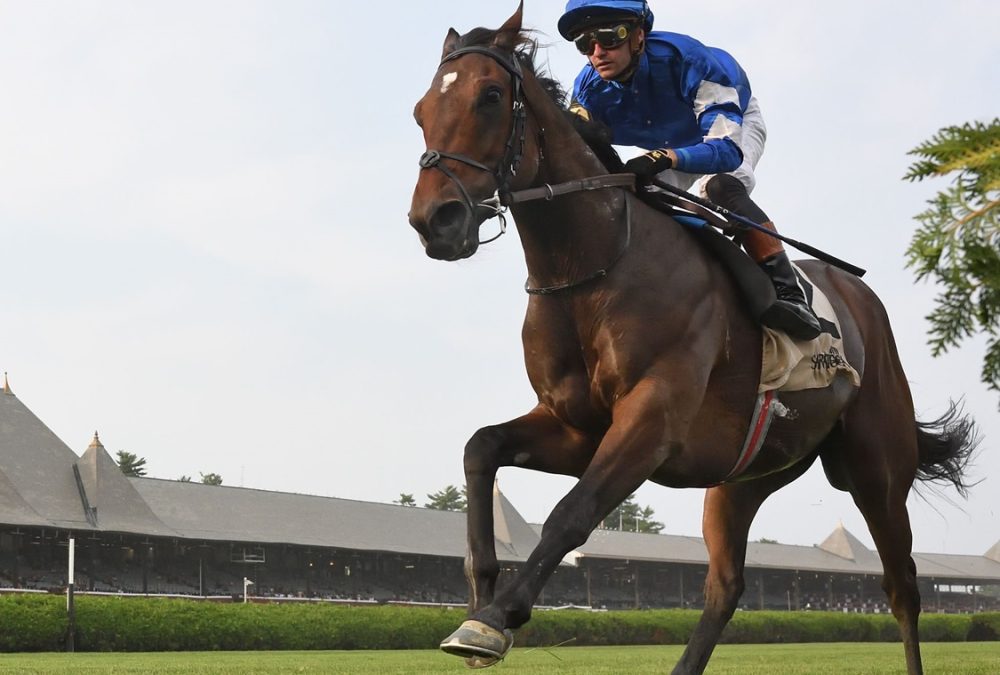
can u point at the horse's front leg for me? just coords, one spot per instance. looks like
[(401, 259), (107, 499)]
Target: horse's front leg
[(537, 440), (642, 437)]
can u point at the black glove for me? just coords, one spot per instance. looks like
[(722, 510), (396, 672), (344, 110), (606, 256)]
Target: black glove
[(648, 165)]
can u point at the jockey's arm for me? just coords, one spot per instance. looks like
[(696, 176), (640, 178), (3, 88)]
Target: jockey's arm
[(719, 151), (715, 103)]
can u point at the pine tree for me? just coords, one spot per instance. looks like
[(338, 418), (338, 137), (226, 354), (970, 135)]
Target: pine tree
[(630, 517), (958, 241), (211, 478), (131, 464), (448, 499)]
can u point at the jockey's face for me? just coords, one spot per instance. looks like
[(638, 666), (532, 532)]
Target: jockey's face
[(610, 63)]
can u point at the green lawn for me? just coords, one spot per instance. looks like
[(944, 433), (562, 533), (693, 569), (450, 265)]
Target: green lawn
[(980, 658)]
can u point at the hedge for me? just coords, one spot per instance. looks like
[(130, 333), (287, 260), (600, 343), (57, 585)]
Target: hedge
[(38, 623), (32, 623)]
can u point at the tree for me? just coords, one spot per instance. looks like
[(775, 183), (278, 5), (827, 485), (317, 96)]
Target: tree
[(185, 479), (211, 478), (630, 517), (448, 499), (131, 464), (406, 500), (958, 241), (646, 522)]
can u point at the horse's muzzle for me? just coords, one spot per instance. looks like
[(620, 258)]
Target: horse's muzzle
[(450, 233)]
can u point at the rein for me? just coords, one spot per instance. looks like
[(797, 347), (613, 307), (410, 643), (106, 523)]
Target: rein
[(547, 192)]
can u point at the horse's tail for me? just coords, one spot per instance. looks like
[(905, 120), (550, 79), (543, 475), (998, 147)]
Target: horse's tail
[(945, 447)]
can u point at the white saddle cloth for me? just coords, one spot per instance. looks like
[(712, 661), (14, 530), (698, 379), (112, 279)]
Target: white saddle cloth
[(793, 365)]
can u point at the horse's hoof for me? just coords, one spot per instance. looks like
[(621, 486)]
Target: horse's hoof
[(482, 646)]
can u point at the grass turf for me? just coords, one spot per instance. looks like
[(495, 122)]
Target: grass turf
[(965, 658)]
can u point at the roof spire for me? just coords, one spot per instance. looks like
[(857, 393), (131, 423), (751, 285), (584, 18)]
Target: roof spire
[(96, 443), (6, 385)]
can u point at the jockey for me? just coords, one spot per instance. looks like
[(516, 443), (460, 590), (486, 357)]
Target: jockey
[(691, 107)]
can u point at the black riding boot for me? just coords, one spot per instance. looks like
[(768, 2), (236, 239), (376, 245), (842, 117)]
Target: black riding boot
[(790, 312)]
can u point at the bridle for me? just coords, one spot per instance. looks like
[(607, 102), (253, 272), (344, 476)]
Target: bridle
[(513, 151), (507, 168)]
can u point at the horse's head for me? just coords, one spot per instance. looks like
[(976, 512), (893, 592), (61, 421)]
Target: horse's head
[(474, 122)]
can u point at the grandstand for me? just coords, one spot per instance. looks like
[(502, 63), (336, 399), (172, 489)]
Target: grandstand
[(153, 536)]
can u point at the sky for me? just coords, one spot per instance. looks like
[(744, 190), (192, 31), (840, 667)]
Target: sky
[(206, 257)]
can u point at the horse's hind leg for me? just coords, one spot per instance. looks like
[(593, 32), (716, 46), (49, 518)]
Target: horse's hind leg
[(879, 456), (537, 441), (729, 511)]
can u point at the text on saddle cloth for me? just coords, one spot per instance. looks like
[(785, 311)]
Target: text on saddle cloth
[(792, 365)]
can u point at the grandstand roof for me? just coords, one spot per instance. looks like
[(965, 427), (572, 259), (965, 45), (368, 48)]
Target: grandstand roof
[(633, 546), (945, 566), (44, 484), (116, 505), (809, 559), (510, 530), (673, 548), (15, 509), (222, 513), (840, 553), (843, 544), (37, 470)]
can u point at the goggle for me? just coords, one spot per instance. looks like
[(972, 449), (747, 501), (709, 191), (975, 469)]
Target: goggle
[(608, 38)]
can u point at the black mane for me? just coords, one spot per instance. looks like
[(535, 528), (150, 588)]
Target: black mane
[(595, 134), (525, 49)]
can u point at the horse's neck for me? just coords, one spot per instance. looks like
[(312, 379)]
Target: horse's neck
[(574, 234)]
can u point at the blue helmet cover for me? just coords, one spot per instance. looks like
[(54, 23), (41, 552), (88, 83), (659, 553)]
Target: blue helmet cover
[(583, 12)]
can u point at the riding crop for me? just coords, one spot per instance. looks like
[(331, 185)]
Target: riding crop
[(746, 223)]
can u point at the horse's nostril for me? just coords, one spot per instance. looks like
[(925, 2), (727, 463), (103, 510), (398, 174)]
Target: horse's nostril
[(449, 216)]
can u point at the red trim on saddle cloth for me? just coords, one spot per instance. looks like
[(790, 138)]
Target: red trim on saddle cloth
[(760, 422)]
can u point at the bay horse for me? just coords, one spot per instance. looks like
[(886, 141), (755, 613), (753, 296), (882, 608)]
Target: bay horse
[(645, 362)]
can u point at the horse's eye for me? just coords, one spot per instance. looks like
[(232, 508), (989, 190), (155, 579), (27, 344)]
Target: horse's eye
[(493, 95)]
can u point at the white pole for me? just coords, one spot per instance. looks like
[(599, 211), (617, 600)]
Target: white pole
[(70, 608), (69, 574), (72, 558)]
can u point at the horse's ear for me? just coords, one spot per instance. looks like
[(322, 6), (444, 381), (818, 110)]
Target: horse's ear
[(509, 32), (450, 42)]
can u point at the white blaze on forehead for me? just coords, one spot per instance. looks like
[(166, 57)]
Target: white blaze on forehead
[(447, 80)]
